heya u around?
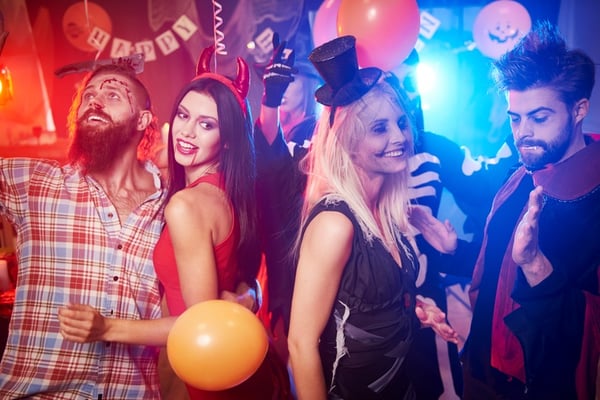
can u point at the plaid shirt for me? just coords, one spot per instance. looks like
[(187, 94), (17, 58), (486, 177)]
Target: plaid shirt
[(72, 249)]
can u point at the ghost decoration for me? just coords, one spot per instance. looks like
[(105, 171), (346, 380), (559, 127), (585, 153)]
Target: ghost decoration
[(499, 26)]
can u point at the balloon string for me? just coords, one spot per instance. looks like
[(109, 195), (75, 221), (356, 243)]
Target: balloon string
[(218, 35), (87, 13), (89, 27)]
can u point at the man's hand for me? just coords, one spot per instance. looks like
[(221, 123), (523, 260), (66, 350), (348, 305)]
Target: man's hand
[(440, 235), (526, 251), (278, 74), (431, 316)]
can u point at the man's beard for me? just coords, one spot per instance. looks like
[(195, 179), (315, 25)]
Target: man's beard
[(96, 148), (553, 151)]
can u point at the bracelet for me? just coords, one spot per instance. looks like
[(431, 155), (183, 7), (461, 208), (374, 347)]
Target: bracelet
[(258, 295)]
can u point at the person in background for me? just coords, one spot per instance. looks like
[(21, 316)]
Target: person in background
[(285, 126), (209, 243), (354, 309), (85, 234), (298, 110), (535, 289), (440, 164)]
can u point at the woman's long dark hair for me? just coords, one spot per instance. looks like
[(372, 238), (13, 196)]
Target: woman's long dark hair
[(237, 164)]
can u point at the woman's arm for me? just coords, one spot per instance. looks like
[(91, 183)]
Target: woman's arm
[(324, 251), (82, 323)]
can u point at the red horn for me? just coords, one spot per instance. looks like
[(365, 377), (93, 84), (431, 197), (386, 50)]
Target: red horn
[(242, 81), (204, 60)]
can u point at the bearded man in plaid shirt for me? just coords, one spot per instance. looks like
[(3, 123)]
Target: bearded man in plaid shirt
[(85, 234)]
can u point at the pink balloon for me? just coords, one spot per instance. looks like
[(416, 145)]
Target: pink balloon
[(386, 31), (499, 26), (324, 26)]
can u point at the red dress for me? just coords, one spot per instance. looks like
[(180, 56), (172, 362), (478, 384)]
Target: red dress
[(271, 381)]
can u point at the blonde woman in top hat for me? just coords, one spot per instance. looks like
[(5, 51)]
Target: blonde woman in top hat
[(354, 308)]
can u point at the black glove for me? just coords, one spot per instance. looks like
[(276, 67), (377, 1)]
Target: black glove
[(278, 74)]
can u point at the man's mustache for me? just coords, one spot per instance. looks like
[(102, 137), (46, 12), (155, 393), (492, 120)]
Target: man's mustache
[(84, 117), (530, 143)]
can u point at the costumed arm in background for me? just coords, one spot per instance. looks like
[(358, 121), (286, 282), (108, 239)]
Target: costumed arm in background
[(273, 158), (280, 184), (276, 77)]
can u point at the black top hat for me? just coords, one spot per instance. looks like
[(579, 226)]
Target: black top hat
[(337, 63)]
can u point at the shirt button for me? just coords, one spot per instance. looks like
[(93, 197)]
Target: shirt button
[(120, 246), (110, 215), (115, 278)]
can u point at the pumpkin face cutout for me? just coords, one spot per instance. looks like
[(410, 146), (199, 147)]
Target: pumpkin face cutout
[(499, 26)]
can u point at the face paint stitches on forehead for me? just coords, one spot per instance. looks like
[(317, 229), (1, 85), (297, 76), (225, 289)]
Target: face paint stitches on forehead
[(116, 83)]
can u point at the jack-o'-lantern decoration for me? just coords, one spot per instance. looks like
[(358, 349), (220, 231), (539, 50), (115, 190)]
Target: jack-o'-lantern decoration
[(499, 26), (83, 22)]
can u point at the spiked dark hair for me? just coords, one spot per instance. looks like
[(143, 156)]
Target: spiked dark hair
[(541, 59)]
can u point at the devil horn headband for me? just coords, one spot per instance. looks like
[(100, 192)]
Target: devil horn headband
[(239, 86)]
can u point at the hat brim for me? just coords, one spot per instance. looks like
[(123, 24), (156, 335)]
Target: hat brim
[(364, 80)]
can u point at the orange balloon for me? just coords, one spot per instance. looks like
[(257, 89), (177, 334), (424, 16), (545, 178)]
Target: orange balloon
[(216, 345), (386, 31)]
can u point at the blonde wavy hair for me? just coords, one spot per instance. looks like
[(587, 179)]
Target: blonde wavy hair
[(333, 176)]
